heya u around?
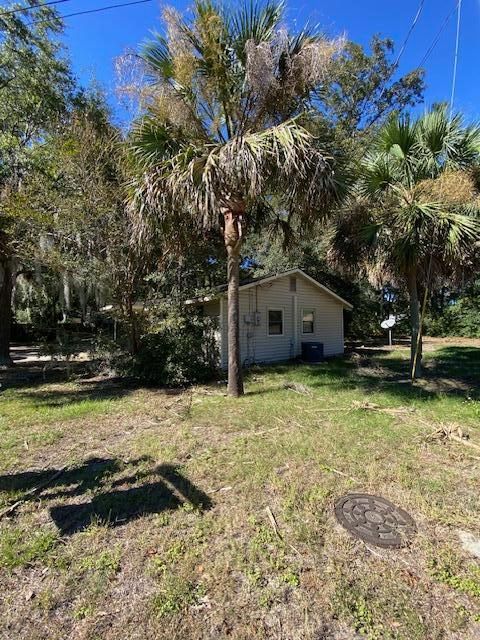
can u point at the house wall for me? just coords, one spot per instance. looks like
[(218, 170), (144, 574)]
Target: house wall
[(255, 343)]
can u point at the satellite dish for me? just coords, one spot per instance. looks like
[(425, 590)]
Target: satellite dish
[(388, 323)]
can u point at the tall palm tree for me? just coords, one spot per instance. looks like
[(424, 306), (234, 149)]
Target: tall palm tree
[(414, 213), (224, 135)]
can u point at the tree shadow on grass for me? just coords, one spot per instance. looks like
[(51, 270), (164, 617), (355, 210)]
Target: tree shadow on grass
[(86, 390), (161, 488), (447, 371), (107, 390), (460, 362)]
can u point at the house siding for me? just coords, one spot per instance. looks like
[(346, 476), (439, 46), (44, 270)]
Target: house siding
[(255, 343)]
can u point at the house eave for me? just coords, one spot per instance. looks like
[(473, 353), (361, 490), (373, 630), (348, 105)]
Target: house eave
[(201, 300)]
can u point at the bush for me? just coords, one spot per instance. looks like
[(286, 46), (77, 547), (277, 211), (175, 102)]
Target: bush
[(459, 319), (177, 347)]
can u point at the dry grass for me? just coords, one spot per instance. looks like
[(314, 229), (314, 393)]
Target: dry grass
[(192, 515)]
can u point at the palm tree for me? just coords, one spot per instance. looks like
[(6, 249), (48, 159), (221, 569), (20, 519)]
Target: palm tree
[(414, 213), (224, 140)]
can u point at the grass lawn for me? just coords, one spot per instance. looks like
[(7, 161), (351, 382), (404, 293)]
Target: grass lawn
[(154, 515)]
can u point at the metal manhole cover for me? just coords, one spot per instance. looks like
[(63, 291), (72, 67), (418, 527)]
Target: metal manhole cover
[(375, 520)]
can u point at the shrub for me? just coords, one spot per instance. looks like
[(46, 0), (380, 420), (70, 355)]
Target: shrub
[(459, 319), (177, 347)]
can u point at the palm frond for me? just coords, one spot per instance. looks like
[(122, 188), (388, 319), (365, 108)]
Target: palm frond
[(255, 21), (202, 178), (445, 142), (299, 40), (435, 133), (157, 55), (153, 142), (376, 175), (398, 136), (425, 199)]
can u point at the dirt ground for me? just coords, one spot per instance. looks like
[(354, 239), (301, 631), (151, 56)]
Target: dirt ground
[(130, 513)]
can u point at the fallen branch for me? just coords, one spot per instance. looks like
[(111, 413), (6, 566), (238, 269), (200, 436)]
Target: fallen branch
[(221, 489), (451, 432), (467, 443), (370, 406), (11, 508), (365, 406), (273, 522), (325, 467)]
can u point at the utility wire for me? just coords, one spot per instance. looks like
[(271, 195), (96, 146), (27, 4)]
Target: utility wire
[(402, 48), (455, 60), (97, 10), (437, 37), (407, 37), (397, 60), (32, 8)]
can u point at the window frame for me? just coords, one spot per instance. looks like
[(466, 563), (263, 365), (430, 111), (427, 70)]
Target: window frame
[(275, 335), (312, 311)]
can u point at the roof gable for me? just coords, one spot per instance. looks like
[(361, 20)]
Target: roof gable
[(302, 273), (259, 281)]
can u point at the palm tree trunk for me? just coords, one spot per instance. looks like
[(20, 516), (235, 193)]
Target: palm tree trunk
[(233, 241), (6, 288), (416, 338)]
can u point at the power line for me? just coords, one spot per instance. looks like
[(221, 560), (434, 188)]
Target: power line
[(437, 37), (402, 48), (395, 64), (97, 10), (407, 37), (455, 60), (23, 9)]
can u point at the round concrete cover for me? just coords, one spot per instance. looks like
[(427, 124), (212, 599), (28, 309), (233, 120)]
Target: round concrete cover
[(375, 520)]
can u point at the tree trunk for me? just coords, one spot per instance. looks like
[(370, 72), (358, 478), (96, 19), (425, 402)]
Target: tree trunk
[(233, 242), (6, 288), (64, 290), (132, 322), (82, 298), (416, 338)]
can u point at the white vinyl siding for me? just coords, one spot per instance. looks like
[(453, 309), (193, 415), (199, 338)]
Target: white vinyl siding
[(327, 314), (255, 343)]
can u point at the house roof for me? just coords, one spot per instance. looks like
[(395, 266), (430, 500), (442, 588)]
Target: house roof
[(253, 282)]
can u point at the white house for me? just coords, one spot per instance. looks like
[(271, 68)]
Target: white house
[(277, 314)]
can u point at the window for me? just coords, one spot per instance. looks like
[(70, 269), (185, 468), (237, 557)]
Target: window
[(293, 283), (308, 321), (275, 322)]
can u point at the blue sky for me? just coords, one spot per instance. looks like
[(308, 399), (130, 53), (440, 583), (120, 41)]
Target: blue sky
[(95, 40)]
